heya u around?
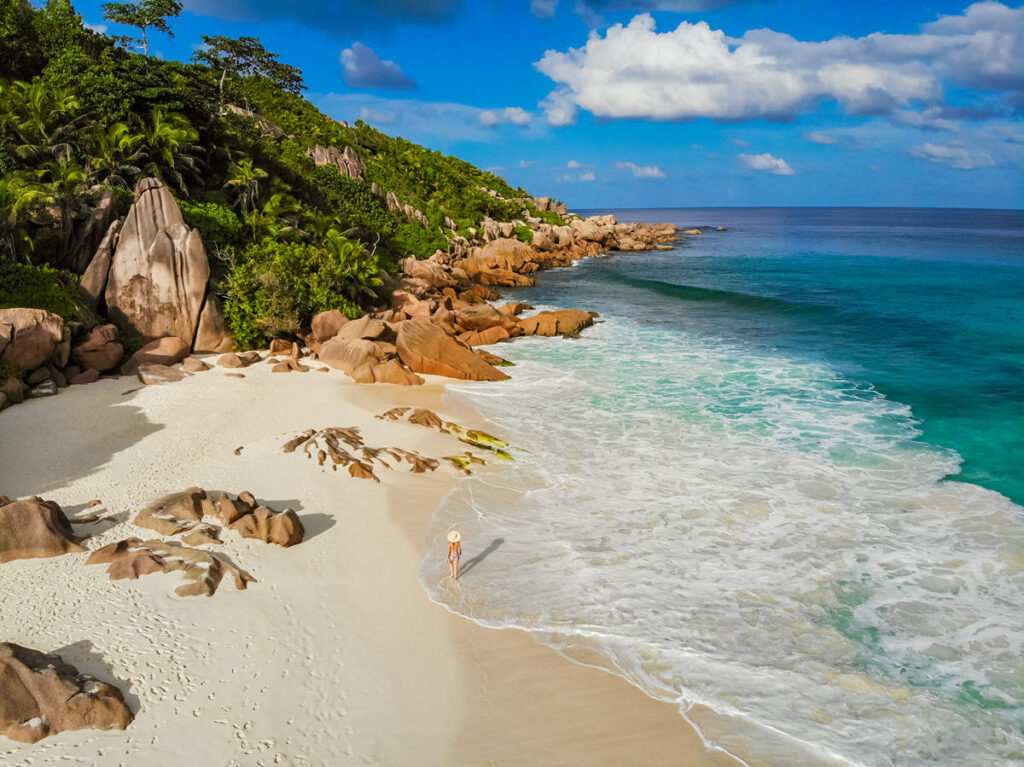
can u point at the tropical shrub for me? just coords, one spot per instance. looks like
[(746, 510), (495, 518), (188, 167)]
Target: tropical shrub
[(217, 224), (274, 288), (39, 287), (524, 234)]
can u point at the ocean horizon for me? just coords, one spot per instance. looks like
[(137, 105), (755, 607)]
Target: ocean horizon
[(778, 482)]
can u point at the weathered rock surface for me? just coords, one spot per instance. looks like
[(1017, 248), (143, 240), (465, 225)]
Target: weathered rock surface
[(326, 325), (192, 365), (347, 161), (157, 375), (355, 357), (365, 327), (47, 388), (41, 695), (425, 348), (564, 322), (94, 281), (32, 336), (159, 271), (34, 529), (85, 377), (265, 524), (174, 513), (479, 317), (100, 350), (203, 570), (212, 335), (162, 351)]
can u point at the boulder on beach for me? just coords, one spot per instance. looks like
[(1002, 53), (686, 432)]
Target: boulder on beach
[(365, 327), (159, 271), (326, 325), (157, 375), (174, 513), (99, 351), (41, 695), (264, 524), (203, 570), (356, 357), (564, 322), (479, 317), (162, 351), (427, 349), (29, 337), (212, 335), (34, 529)]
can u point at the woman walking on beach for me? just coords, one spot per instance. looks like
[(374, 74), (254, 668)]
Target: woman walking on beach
[(454, 553)]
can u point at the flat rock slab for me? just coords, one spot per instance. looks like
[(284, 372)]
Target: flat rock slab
[(156, 375)]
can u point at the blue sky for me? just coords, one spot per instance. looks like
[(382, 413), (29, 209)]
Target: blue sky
[(648, 103)]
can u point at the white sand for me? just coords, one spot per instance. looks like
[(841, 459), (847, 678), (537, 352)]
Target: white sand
[(335, 656)]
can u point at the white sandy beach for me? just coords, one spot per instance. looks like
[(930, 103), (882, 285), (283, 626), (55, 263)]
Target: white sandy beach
[(335, 656)]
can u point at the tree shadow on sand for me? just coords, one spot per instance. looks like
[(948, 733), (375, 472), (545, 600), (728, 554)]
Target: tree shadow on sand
[(469, 564)]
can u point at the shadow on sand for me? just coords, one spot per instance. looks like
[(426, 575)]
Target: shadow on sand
[(84, 657)]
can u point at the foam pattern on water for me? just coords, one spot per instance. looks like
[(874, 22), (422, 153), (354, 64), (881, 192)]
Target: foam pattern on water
[(753, 537)]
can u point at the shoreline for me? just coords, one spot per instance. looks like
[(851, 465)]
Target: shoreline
[(336, 653)]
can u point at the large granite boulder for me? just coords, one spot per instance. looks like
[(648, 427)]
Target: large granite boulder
[(162, 351), (34, 529), (326, 325), (365, 327), (265, 524), (94, 281), (159, 271), (356, 357), (99, 351), (213, 335), (431, 272), (29, 337), (347, 161), (41, 695), (426, 348), (479, 317)]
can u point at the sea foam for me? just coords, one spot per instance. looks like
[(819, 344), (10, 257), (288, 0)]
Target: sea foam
[(754, 537)]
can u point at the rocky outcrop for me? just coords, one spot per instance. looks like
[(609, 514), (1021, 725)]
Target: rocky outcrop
[(347, 161), (331, 447), (272, 129), (41, 695), (34, 529), (564, 322), (326, 325), (203, 570), (264, 524), (159, 271), (99, 351), (158, 375), (212, 334), (29, 337), (174, 513), (426, 348)]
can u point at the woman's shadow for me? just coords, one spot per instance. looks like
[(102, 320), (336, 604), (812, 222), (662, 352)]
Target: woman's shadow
[(471, 563)]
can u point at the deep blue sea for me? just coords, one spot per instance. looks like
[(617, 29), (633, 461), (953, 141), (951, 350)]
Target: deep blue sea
[(779, 482)]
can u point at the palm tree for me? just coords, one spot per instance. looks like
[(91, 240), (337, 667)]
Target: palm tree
[(67, 184), (117, 157), (170, 142), (43, 120), (275, 219), (356, 264), (245, 178), (19, 196)]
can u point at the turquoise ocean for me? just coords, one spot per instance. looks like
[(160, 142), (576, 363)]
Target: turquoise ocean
[(779, 483)]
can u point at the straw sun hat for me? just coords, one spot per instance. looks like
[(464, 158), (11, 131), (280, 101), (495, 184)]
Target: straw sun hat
[(454, 536)]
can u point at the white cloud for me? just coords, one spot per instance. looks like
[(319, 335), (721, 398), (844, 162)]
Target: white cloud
[(694, 71), (588, 177), (526, 163), (425, 122), (363, 68), (817, 137), (100, 29), (543, 9), (738, 142), (572, 164), (560, 109), (928, 119), (954, 156), (768, 162), (491, 118), (641, 171)]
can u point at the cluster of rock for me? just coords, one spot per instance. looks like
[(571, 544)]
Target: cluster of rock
[(328, 448), (347, 160), (186, 511), (149, 276), (473, 437), (41, 695)]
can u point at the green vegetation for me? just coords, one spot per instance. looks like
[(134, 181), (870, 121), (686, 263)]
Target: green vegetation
[(38, 287), (524, 234), (230, 134)]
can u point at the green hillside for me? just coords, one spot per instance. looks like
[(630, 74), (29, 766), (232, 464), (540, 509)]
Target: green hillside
[(83, 118)]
